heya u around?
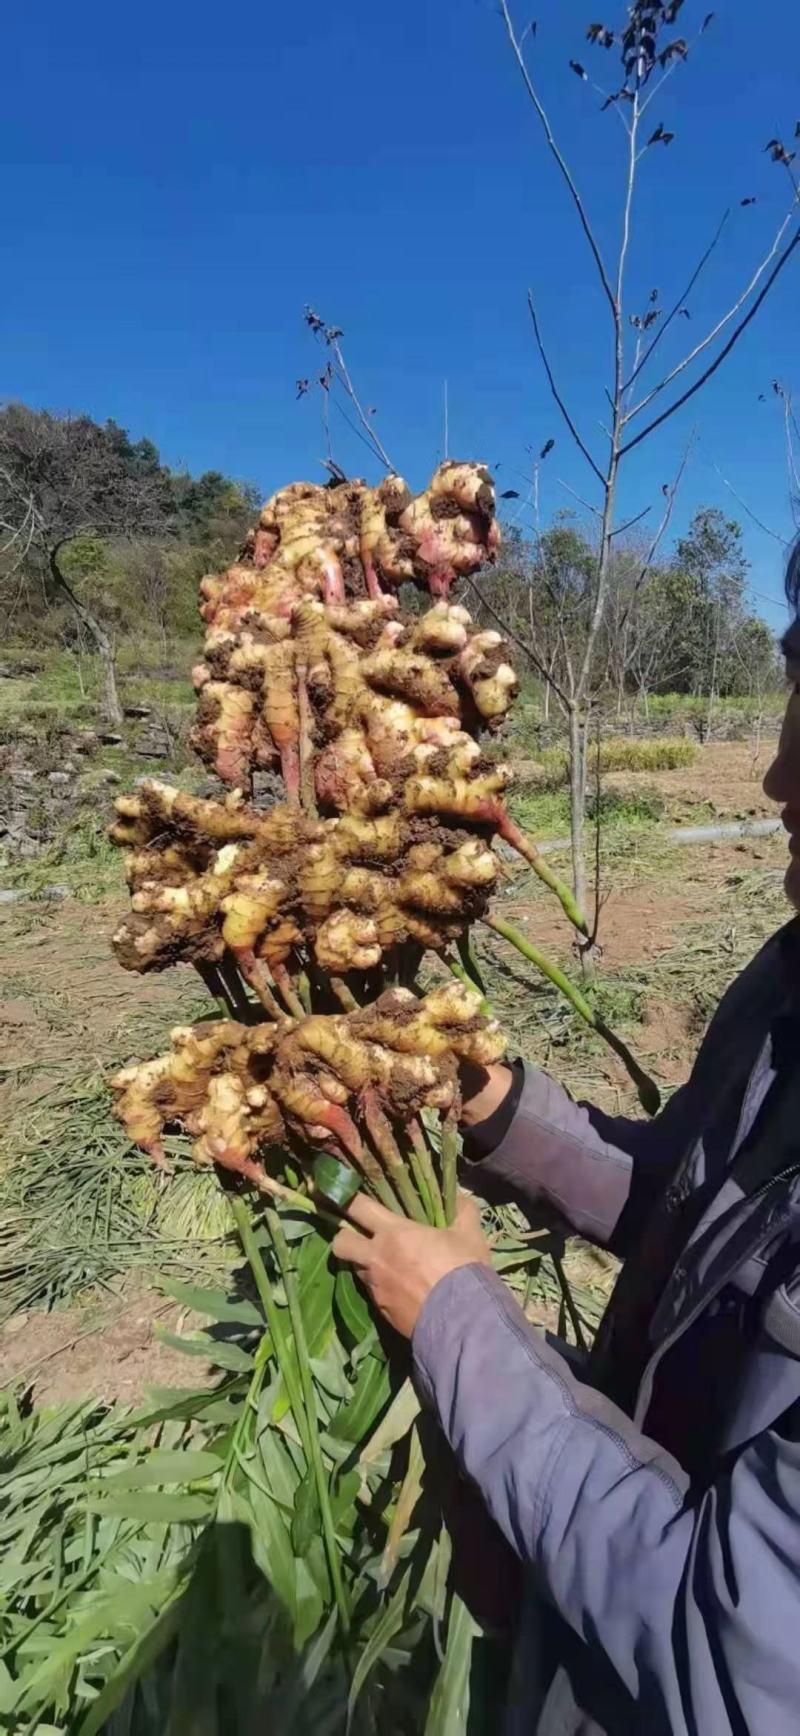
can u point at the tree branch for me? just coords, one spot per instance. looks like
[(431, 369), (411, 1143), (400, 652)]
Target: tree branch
[(579, 442), (643, 358), (790, 423), (722, 323), (370, 445), (784, 541), (579, 497), (21, 534), (660, 532), (364, 419), (630, 522), (610, 482), (557, 154), (718, 360), (523, 644)]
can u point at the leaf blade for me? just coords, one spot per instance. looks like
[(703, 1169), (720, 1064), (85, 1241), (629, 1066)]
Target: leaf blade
[(216, 1304)]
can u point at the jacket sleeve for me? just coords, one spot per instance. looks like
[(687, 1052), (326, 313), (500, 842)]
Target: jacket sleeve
[(588, 1165), (603, 1173), (693, 1608)]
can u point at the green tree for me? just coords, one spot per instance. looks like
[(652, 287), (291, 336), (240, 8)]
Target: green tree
[(99, 530), (71, 479), (713, 602)]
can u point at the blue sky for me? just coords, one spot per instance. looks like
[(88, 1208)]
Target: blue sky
[(179, 180)]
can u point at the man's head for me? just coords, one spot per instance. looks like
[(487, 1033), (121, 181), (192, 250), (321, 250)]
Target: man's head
[(782, 782)]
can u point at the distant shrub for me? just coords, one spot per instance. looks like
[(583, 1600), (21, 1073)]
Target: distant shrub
[(660, 754), (627, 807), (731, 713), (617, 754)]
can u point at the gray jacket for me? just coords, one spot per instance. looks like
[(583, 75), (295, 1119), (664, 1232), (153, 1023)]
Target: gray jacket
[(657, 1504)]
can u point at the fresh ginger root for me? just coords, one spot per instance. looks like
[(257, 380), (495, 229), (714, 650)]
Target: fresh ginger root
[(240, 1089), (371, 720), (208, 876), (365, 675), (188, 1087), (309, 609)]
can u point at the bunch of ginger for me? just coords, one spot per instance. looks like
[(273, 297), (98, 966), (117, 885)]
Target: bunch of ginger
[(372, 718), (307, 667), (381, 849), (344, 893), (340, 1081)]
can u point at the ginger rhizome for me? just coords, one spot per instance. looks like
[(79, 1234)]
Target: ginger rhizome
[(354, 699), (304, 644), (340, 1081), (385, 838), (380, 851), (281, 888), (310, 670)]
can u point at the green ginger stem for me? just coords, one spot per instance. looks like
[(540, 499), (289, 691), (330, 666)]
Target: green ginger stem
[(426, 1177), (460, 971), (526, 848), (450, 1167), (391, 1157), (649, 1095), (423, 1187), (344, 995), (298, 1381)]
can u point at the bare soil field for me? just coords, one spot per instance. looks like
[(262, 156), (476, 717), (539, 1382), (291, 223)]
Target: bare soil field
[(105, 1349), (726, 775)]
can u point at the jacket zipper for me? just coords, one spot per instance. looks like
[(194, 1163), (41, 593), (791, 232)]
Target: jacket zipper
[(679, 1271)]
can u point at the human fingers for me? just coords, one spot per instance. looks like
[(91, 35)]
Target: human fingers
[(369, 1214), (468, 1216), (351, 1246)]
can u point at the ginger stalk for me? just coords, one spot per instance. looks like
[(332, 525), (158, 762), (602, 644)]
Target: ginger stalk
[(424, 1171), (450, 1166), (511, 833), (649, 1094), (386, 1146)]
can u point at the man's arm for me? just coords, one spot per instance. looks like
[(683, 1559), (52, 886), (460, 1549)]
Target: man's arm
[(693, 1607), (526, 1139)]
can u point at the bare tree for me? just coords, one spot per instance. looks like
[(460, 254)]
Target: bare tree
[(66, 477), (633, 409), (791, 428)]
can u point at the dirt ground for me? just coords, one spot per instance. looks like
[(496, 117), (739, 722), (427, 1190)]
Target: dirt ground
[(726, 775), (105, 1350), (64, 1001), (640, 920), (63, 996)]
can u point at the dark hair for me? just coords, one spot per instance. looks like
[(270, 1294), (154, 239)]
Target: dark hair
[(790, 643), (793, 577)]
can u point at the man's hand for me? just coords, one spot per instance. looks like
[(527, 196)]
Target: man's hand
[(483, 1089), (399, 1262)]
